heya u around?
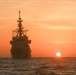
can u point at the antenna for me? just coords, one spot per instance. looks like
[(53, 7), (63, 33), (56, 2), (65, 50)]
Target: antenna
[(19, 20)]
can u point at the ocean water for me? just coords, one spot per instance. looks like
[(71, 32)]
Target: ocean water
[(38, 66)]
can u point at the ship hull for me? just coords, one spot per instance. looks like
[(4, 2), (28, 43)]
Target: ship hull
[(20, 54), (20, 50), (17, 54)]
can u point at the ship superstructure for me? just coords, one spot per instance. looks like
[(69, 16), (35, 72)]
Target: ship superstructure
[(20, 44)]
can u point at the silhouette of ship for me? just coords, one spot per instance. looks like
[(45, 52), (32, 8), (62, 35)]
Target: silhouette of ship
[(20, 44)]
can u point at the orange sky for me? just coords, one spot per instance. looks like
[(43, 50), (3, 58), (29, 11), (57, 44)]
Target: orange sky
[(51, 25)]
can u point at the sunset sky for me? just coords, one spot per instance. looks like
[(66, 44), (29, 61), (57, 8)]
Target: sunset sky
[(51, 25)]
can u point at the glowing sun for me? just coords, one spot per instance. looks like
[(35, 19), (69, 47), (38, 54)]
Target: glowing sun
[(58, 54)]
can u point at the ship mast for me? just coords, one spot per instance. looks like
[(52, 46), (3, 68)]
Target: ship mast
[(20, 25)]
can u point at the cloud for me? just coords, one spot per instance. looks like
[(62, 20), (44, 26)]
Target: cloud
[(57, 27)]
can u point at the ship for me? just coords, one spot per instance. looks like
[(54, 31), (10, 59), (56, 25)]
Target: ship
[(20, 43)]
